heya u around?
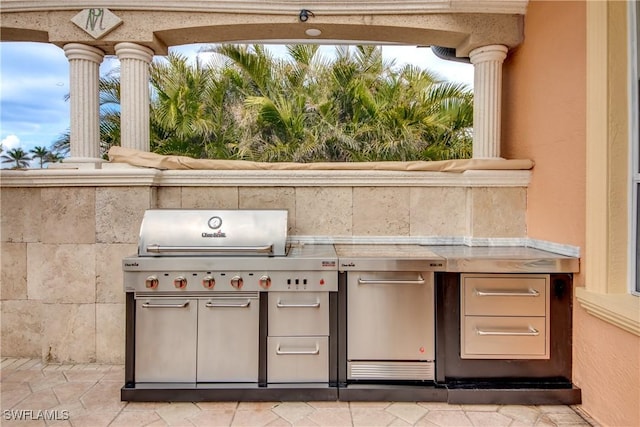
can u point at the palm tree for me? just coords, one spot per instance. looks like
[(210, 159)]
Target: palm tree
[(181, 115), (303, 107), (17, 156), (54, 157), (40, 153)]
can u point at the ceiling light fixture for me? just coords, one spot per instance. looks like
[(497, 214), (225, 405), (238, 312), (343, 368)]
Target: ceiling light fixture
[(312, 32)]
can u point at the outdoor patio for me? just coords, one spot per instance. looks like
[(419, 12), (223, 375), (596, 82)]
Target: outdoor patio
[(37, 394)]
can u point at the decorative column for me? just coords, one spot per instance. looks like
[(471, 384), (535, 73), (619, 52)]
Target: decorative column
[(487, 87), (134, 95), (84, 97)]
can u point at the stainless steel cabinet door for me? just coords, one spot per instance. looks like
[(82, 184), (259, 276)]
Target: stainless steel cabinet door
[(228, 339), (390, 316), (165, 340)]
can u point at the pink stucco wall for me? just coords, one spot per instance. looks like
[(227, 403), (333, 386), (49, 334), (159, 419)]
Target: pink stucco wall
[(544, 119)]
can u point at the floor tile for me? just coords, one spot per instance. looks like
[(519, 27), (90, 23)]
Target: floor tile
[(370, 417), (217, 406), (409, 412), (440, 406), (213, 418), (178, 412), (90, 394), (524, 415), (12, 393), (337, 417), (448, 418), (93, 419), (134, 418), (253, 417), (488, 419), (292, 411), (71, 391), (103, 397)]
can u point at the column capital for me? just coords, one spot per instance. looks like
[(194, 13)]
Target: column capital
[(496, 52), (83, 51), (127, 50)]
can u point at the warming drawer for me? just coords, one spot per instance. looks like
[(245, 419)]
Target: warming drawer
[(505, 337), (298, 313), (298, 359)]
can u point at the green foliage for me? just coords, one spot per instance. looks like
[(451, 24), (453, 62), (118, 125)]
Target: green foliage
[(17, 156), (249, 104)]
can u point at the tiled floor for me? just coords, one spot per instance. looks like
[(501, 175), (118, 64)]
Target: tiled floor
[(36, 394)]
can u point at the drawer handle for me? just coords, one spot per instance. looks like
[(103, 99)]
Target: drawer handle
[(281, 304), (419, 281), (487, 293), (149, 305), (530, 332), (312, 352), (226, 304)]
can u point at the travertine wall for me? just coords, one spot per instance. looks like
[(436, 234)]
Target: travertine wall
[(61, 288)]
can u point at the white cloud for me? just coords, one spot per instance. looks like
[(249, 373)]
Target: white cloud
[(10, 142)]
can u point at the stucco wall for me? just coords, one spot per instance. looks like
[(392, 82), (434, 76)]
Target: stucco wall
[(545, 120), (61, 282)]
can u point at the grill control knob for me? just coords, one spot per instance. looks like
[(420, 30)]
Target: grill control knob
[(265, 282), (208, 282), (151, 282), (180, 282), (237, 282)]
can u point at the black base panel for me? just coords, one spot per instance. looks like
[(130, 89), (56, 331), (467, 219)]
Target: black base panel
[(518, 396), (455, 394), (391, 393), (225, 394)]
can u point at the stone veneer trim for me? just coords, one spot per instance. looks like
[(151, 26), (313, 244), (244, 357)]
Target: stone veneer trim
[(115, 176)]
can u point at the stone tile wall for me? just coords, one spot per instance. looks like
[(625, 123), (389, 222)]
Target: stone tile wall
[(61, 277)]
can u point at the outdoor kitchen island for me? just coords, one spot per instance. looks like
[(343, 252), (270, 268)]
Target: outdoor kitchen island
[(502, 328), (401, 322)]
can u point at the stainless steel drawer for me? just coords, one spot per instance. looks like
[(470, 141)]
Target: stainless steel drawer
[(504, 295), (504, 338), (298, 313), (297, 359)]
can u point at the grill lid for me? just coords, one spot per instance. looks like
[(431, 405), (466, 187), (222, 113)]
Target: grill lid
[(185, 232)]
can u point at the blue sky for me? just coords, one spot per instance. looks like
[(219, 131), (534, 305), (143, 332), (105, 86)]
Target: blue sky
[(34, 80)]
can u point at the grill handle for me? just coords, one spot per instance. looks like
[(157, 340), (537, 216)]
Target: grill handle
[(209, 249), (419, 281), (149, 305), (530, 332), (312, 352), (506, 293), (281, 304), (216, 305)]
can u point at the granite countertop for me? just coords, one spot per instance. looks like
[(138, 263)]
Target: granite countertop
[(505, 259), (458, 258)]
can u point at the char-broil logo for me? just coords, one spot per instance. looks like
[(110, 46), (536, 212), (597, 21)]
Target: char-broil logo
[(214, 223), (217, 234)]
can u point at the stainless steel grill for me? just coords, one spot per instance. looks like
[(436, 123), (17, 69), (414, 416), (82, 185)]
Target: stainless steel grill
[(203, 287), (225, 250)]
